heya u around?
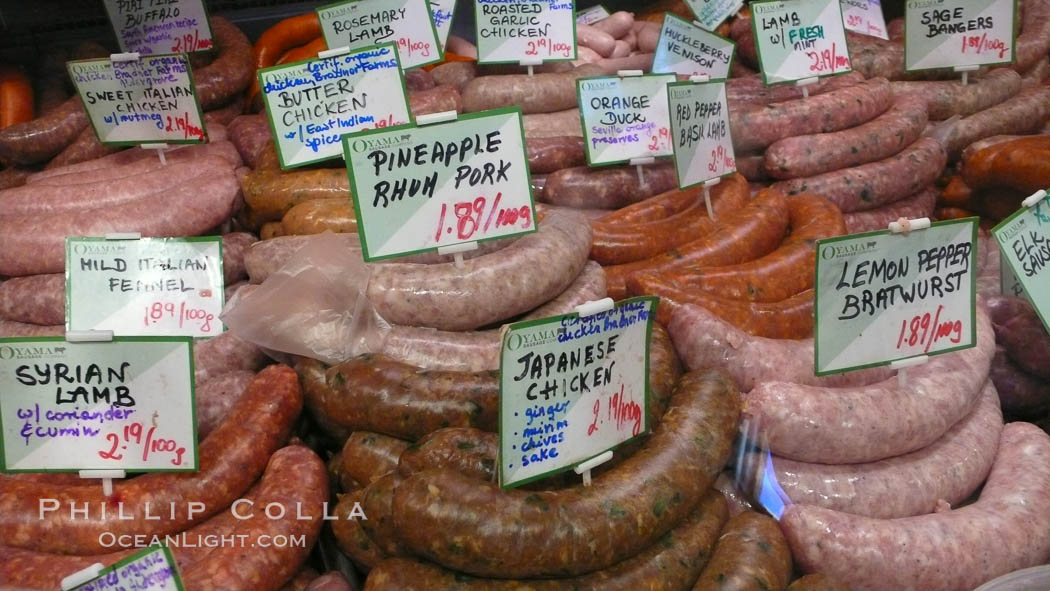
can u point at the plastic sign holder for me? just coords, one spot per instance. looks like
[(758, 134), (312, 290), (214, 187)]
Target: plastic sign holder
[(904, 226), (457, 250), (530, 63), (1033, 199), (805, 83), (584, 468), (965, 71), (637, 163), (82, 576)]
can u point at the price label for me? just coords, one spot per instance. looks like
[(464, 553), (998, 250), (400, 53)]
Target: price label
[(148, 100), (517, 31), (799, 39), (421, 188), (572, 388), (1024, 240), (688, 50), (363, 23), (591, 15), (882, 297), (949, 33), (441, 12), (711, 13), (625, 118), (147, 287), (312, 104), (151, 569), (151, 27), (125, 404), (864, 17), (703, 145)]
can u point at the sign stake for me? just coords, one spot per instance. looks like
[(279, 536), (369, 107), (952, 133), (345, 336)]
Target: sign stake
[(904, 225), (965, 71), (805, 83), (530, 63), (707, 196), (81, 576), (457, 250), (585, 467), (902, 366), (106, 476), (1034, 198)]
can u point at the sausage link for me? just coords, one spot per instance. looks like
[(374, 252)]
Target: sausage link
[(751, 555), (455, 74), (671, 564), (560, 123), (1034, 41), (880, 138), (223, 353), (1021, 394), (1019, 330), (539, 93), (818, 581), (817, 424), (1024, 113), (377, 501), (131, 162), (652, 209), (44, 137), (947, 97), (234, 245), (9, 328), (350, 536), (271, 193), (435, 100), (548, 154), (580, 529), (223, 116), (368, 456), (312, 381), (230, 72), (752, 91), (215, 397), (34, 299), (919, 205), (250, 134), (470, 451), (85, 147), (320, 215), (608, 187), (1008, 527)]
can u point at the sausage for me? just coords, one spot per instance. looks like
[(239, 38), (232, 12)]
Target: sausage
[(301, 580), (576, 530), (1019, 164), (938, 395), (480, 350), (655, 208), (742, 92), (1034, 41), (419, 79), (320, 215), (618, 24), (315, 387), (949, 470), (948, 97), (271, 193), (367, 456), (488, 288), (736, 500), (331, 581), (877, 139), (670, 564), (648, 36), (786, 271), (1019, 330), (250, 134), (1008, 527), (230, 460), (44, 137), (1021, 394), (1026, 112), (377, 501), (86, 146), (819, 581), (549, 154), (234, 245), (596, 39), (877, 183), (350, 536), (131, 162), (36, 244), (1037, 74), (215, 397), (608, 187), (36, 299), (705, 340), (751, 554), (755, 230), (539, 93), (455, 74), (919, 205), (610, 66), (14, 176), (756, 128), (230, 72), (10, 328), (472, 452), (623, 243), (435, 100), (225, 352), (223, 116), (561, 123)]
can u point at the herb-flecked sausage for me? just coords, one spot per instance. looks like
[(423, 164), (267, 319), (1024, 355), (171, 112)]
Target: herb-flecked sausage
[(367, 456), (751, 555), (465, 449), (42, 138), (945, 98)]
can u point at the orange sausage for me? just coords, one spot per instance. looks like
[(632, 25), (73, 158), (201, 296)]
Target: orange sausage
[(654, 208), (303, 52), (278, 39), (953, 213), (1022, 164), (16, 97)]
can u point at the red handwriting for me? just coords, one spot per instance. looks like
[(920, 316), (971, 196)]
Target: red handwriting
[(135, 435), (472, 215), (182, 123), (410, 47), (190, 42), (927, 329), (182, 314), (854, 20), (720, 160), (620, 411), (983, 44), (827, 59), (549, 47), (660, 140)]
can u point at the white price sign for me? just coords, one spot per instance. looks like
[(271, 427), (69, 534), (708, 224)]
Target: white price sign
[(688, 50), (120, 405), (1024, 241), (442, 12), (799, 39), (711, 13), (864, 17), (591, 15), (703, 145), (520, 31), (571, 388), (160, 26), (951, 33), (625, 118), (152, 569), (363, 23)]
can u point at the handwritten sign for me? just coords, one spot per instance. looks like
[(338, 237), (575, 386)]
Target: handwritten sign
[(711, 13), (364, 23), (160, 26), (147, 287), (1024, 240), (152, 569), (589, 16), (948, 33), (882, 297), (703, 145), (518, 31), (312, 104), (864, 17), (625, 118), (688, 50), (1009, 282), (125, 404), (148, 100), (572, 388), (421, 188), (442, 12), (799, 39)]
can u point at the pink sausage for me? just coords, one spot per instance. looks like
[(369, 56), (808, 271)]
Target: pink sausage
[(600, 41)]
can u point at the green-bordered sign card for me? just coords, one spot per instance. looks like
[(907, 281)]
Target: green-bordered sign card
[(688, 50), (364, 23), (711, 13), (151, 569), (625, 118), (140, 101), (703, 145), (442, 12), (164, 26), (312, 104), (126, 404), (1009, 282), (145, 287), (571, 388), (864, 17), (1024, 240), (589, 16), (950, 33), (799, 39), (519, 31), (422, 188), (882, 296)]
